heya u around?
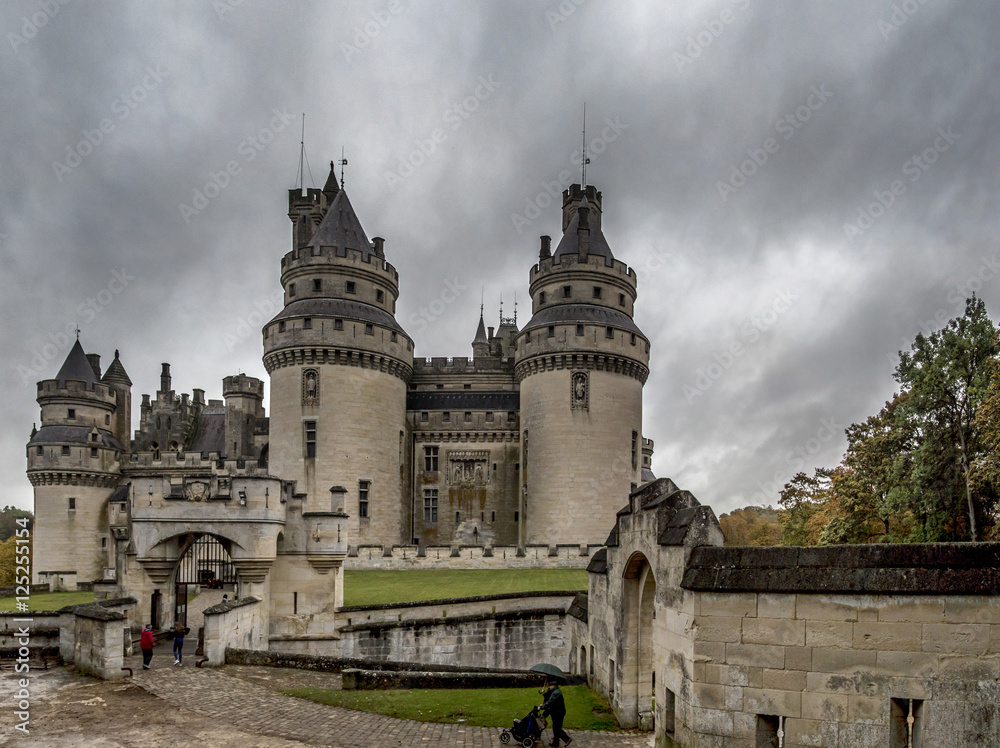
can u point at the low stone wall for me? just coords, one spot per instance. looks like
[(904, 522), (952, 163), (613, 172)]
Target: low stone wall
[(43, 629), (408, 557), (381, 680), (234, 623), (100, 635), (514, 640), (33, 589)]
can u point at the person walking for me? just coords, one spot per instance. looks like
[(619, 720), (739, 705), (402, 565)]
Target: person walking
[(555, 707), (146, 645), (179, 633)]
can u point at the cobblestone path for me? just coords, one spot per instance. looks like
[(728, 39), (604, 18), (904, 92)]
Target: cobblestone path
[(242, 703)]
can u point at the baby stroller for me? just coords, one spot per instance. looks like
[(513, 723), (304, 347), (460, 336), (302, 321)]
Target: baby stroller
[(527, 731)]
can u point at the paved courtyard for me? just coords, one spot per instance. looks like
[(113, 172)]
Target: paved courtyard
[(232, 707)]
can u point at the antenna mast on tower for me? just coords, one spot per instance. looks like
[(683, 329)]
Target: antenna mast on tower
[(303, 159), (586, 159)]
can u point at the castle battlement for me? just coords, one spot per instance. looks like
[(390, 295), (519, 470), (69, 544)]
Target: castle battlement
[(460, 365), (588, 262), (76, 389), (344, 257), (241, 384)]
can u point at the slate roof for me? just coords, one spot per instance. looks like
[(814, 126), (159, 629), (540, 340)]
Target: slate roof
[(342, 308), (116, 372), (465, 400), (210, 434), (76, 366), (570, 242), (587, 313), (73, 435), (481, 332), (340, 227)]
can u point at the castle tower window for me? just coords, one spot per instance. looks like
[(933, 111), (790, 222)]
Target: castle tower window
[(489, 416), (93, 451), (567, 292), (458, 516), (597, 292), (107, 420), (635, 448), (317, 284), (552, 331), (71, 414), (351, 287), (466, 386), (621, 299), (72, 503), (291, 290), (446, 416), (633, 338), (517, 516), (493, 516), (65, 450), (609, 332), (431, 459), (511, 415), (369, 328), (541, 297), (281, 327), (93, 437), (310, 427), (468, 415), (392, 336), (40, 451), (379, 294), (430, 505), (579, 329), (424, 416), (338, 324), (307, 324), (364, 488)]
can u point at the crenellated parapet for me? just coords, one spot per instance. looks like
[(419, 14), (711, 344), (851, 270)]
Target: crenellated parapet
[(54, 390)]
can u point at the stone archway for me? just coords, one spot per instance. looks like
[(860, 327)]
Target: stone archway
[(205, 569), (637, 671)]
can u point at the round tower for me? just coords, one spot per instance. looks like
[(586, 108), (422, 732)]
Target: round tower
[(339, 363), (581, 362), (244, 398), (73, 464)]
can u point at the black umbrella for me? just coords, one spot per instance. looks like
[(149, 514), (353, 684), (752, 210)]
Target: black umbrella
[(549, 670)]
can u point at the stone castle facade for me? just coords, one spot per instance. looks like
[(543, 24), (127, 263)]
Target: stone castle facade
[(534, 439)]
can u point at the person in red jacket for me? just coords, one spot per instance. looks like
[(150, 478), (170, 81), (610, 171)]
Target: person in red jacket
[(146, 645)]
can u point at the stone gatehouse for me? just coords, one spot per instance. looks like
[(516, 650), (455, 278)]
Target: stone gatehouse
[(841, 647)]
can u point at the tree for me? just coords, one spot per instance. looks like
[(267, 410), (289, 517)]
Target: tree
[(8, 518), (751, 526), (806, 504), (947, 376)]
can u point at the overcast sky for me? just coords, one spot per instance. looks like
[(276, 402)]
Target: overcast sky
[(800, 187)]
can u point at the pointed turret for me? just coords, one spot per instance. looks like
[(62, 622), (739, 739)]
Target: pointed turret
[(341, 228), (331, 188), (481, 343), (118, 380), (77, 366)]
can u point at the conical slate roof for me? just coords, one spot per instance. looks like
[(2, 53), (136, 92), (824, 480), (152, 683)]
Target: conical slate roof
[(76, 366), (570, 242), (481, 332), (116, 372), (341, 228)]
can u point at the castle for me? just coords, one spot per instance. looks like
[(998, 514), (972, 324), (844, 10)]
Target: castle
[(535, 439)]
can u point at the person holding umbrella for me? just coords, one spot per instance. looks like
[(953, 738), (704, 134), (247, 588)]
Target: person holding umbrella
[(555, 706)]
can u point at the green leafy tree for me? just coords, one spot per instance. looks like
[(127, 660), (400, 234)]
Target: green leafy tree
[(806, 507), (946, 376), (8, 519), (751, 526)]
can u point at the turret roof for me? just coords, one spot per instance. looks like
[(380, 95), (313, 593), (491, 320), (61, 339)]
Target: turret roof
[(570, 242), (76, 366), (340, 227), (116, 372), (481, 331)]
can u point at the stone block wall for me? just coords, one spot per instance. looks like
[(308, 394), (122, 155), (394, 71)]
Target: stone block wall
[(406, 557), (234, 623)]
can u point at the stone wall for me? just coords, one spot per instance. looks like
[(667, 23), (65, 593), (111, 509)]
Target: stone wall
[(406, 557), (509, 632), (234, 623), (834, 647)]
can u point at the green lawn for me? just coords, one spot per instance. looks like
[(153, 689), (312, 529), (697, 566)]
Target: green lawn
[(49, 600), (376, 587), (489, 707)]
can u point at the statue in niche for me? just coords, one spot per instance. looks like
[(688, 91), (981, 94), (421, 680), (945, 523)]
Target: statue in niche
[(581, 387), (479, 473), (458, 472), (310, 387)]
